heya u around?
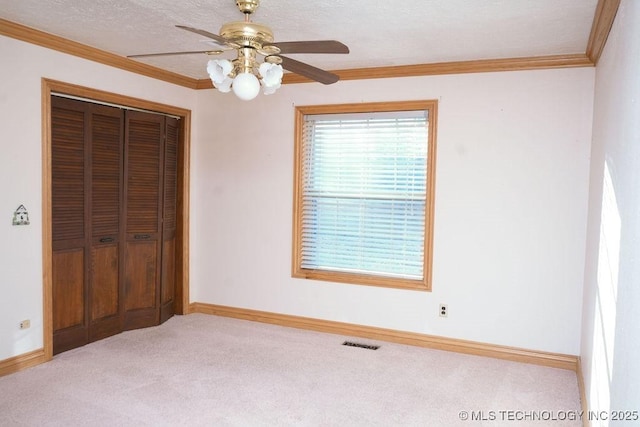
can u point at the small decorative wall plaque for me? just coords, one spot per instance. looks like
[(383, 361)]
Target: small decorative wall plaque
[(21, 216)]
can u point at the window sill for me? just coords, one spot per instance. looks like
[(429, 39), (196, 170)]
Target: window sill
[(363, 279)]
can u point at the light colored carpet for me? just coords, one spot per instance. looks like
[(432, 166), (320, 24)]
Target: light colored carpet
[(201, 370)]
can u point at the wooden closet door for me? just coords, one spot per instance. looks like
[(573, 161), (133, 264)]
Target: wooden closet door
[(86, 198), (105, 293), (69, 159), (168, 279), (144, 157), (113, 220)]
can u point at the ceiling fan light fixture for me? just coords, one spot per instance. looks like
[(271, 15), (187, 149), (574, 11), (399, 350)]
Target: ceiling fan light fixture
[(271, 77), (246, 86), (220, 71), (225, 85)]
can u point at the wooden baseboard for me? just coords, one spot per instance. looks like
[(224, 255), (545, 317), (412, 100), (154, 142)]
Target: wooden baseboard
[(563, 361), (583, 394), (555, 360), (23, 361)]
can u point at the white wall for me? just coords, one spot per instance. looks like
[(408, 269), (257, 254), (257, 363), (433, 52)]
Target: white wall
[(23, 65), (611, 331), (512, 173), (511, 200)]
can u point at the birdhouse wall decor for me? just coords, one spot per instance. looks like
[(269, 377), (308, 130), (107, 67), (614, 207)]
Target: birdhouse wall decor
[(21, 216)]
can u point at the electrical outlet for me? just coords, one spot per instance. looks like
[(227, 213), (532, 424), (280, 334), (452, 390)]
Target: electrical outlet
[(443, 310), (25, 324)]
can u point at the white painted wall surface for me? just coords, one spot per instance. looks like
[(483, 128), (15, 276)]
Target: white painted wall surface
[(22, 67), (510, 221), (511, 200), (611, 319)]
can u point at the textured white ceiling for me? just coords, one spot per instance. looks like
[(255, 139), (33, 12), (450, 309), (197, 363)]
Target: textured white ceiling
[(378, 32)]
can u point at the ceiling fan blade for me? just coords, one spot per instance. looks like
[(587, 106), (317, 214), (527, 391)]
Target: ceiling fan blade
[(312, 46), (309, 71), (212, 36), (147, 55)]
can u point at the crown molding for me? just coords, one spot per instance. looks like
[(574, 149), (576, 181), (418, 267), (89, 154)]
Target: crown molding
[(204, 84), (50, 41), (603, 20), (458, 67), (606, 11)]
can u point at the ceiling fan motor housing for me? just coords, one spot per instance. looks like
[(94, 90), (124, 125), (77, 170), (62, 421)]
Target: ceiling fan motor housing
[(250, 35)]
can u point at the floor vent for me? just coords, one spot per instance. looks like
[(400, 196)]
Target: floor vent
[(355, 344)]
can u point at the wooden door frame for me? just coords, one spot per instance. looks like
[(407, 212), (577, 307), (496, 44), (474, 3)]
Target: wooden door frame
[(182, 221)]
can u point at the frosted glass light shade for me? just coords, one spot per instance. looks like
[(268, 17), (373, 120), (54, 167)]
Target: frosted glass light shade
[(219, 71), (246, 86), (271, 77)]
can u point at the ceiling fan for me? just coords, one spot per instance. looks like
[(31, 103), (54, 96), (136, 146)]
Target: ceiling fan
[(245, 74)]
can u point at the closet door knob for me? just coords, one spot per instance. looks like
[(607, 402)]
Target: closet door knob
[(141, 236), (107, 240)]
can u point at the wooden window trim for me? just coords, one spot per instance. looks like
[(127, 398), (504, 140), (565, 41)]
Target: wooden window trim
[(364, 279)]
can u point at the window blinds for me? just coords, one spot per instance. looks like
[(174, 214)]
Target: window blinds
[(364, 193)]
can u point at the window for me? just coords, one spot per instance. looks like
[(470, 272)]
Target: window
[(364, 184)]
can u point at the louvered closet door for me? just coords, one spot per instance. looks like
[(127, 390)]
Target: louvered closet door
[(70, 252), (168, 279), (144, 157), (86, 195), (105, 289), (113, 220)]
